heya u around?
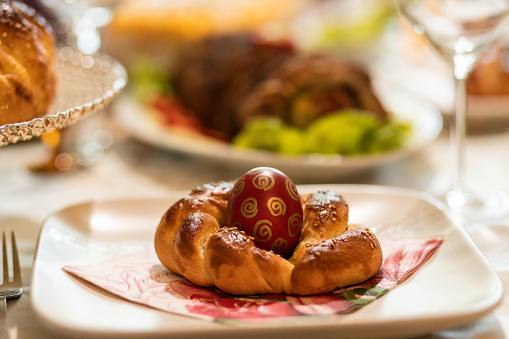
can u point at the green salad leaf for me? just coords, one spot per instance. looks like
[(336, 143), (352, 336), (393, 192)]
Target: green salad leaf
[(261, 133), (347, 132)]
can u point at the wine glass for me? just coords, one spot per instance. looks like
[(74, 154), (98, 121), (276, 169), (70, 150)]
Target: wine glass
[(461, 31)]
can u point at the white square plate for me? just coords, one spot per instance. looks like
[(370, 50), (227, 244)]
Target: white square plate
[(455, 287)]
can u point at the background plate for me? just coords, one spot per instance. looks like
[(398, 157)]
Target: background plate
[(424, 117)]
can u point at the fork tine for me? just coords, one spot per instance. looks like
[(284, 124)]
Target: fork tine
[(5, 263), (15, 260)]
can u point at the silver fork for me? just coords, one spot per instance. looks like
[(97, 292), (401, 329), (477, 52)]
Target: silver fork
[(10, 288)]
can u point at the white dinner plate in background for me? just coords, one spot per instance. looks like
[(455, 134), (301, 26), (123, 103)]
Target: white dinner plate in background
[(425, 118)]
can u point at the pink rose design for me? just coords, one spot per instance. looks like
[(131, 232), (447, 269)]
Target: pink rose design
[(216, 304)]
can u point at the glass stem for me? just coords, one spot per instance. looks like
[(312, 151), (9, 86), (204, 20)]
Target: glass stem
[(458, 126), (458, 134)]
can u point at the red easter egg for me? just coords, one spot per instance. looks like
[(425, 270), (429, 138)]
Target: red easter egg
[(265, 204)]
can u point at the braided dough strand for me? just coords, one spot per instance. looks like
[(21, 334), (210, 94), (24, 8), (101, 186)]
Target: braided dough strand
[(237, 266), (348, 259), (185, 227), (325, 217)]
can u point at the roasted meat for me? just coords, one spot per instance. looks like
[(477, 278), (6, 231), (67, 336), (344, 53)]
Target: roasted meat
[(227, 79), (214, 75), (306, 87)]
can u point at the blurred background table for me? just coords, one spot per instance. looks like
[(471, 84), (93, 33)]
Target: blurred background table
[(130, 169)]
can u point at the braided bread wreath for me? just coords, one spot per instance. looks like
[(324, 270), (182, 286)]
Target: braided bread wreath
[(194, 241)]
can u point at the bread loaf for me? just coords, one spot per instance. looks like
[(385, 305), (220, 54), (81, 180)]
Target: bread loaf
[(193, 240), (27, 65)]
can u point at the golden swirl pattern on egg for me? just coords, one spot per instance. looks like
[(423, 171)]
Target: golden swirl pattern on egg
[(249, 208), (239, 187), (279, 244), (262, 231), (263, 181), (238, 225), (292, 190), (255, 170), (294, 224), (276, 206)]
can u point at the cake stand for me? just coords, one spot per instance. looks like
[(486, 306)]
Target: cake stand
[(85, 85)]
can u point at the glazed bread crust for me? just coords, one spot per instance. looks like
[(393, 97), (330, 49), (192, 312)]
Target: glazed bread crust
[(192, 240), (27, 65)]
